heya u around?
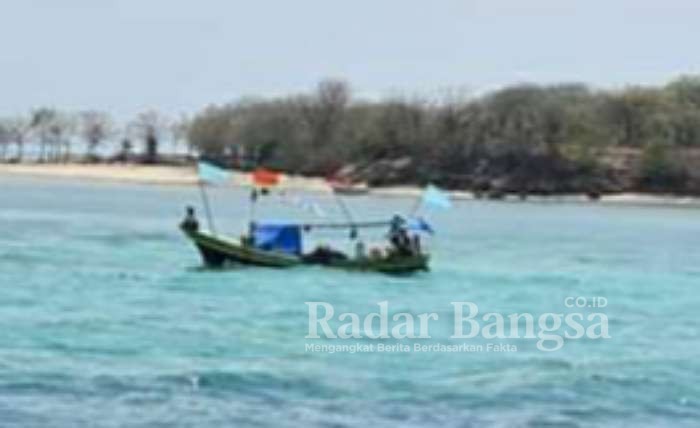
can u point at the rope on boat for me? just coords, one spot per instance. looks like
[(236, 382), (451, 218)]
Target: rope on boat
[(361, 224)]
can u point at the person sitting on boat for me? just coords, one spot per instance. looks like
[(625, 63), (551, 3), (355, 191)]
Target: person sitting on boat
[(398, 236), (402, 243), (397, 223), (324, 255), (190, 223)]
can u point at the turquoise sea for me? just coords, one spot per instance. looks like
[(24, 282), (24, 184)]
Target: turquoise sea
[(106, 319)]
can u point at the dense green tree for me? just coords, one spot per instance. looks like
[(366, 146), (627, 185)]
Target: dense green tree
[(525, 137), (659, 171)]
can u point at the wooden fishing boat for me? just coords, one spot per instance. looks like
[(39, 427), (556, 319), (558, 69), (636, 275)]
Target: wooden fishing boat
[(279, 245), (350, 189), (218, 251), (347, 187)]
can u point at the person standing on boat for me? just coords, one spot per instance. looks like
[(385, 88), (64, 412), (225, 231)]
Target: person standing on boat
[(190, 223)]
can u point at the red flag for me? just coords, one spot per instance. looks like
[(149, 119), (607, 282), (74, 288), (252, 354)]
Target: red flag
[(265, 178)]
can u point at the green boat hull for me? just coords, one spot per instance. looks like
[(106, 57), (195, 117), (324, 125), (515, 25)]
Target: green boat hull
[(394, 265), (217, 251)]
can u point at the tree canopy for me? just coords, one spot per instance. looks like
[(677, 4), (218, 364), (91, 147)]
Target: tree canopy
[(527, 138)]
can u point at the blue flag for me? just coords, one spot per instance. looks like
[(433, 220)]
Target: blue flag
[(436, 198), (420, 225), (212, 174)]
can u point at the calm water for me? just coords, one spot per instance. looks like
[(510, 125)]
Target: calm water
[(105, 319)]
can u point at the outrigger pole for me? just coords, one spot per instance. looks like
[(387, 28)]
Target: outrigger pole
[(251, 208), (207, 208), (361, 224), (417, 204), (352, 225), (343, 208)]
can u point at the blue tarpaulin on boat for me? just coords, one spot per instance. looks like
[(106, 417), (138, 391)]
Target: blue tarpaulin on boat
[(278, 237)]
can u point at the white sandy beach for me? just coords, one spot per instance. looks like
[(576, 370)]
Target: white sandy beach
[(174, 175), (140, 174)]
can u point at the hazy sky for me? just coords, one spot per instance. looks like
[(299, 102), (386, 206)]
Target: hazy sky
[(177, 55)]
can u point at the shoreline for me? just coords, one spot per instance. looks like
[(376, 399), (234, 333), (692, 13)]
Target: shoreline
[(162, 175)]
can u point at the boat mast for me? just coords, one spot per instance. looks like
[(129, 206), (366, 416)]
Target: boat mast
[(251, 209), (207, 207)]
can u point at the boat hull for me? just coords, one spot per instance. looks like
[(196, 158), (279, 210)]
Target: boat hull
[(398, 265), (217, 251)]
